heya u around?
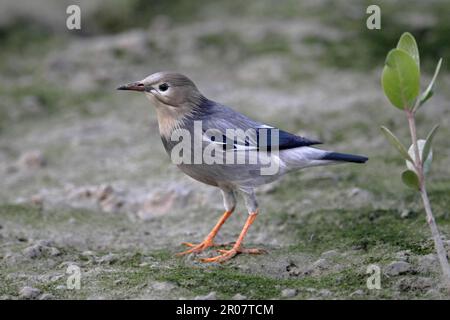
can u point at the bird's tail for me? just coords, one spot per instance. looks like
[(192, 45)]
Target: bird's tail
[(303, 157), (344, 157)]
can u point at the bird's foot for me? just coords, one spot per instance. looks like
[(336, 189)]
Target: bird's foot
[(205, 244), (228, 254)]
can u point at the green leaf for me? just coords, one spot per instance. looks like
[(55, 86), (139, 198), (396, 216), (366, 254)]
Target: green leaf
[(401, 79), (408, 44), (427, 148), (410, 179), (396, 143), (428, 93)]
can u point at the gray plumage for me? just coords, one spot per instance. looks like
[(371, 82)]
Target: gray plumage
[(179, 105)]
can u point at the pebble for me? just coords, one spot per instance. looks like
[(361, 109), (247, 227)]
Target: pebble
[(33, 252), (358, 292), (88, 253), (29, 293), (406, 213), (33, 159), (110, 258), (397, 267), (289, 293), (325, 292), (239, 296), (40, 249), (54, 252), (163, 286), (210, 296), (330, 254), (321, 264), (46, 296)]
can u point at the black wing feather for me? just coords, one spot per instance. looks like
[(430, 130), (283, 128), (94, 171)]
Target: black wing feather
[(264, 141), (286, 140)]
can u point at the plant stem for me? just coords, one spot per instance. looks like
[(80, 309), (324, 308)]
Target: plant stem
[(442, 254)]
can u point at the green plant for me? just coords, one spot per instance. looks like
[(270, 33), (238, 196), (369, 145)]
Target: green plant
[(401, 85)]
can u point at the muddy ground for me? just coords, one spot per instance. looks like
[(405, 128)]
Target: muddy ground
[(85, 180)]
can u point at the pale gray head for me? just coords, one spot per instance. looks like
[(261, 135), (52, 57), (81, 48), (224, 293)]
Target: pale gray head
[(173, 95), (167, 89)]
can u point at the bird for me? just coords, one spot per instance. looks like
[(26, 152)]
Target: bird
[(266, 153)]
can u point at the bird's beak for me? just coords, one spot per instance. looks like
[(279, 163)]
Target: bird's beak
[(135, 86)]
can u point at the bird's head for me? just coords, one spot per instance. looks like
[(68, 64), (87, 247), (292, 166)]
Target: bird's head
[(172, 94), (167, 89)]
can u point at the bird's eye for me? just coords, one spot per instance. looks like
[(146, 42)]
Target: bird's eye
[(163, 87)]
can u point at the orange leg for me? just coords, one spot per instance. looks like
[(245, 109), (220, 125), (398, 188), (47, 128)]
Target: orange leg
[(237, 248), (209, 240)]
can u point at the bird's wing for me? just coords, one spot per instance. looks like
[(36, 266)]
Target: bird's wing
[(221, 128)]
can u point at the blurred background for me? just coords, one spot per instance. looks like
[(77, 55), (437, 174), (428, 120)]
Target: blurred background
[(82, 168)]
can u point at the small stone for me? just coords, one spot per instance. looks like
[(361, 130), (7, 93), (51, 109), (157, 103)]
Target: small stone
[(112, 204), (60, 287), (289, 293), (358, 292), (239, 296), (330, 254), (33, 252), (33, 159), (397, 267), (325, 292), (143, 264), (108, 259), (88, 254), (210, 296), (46, 296), (54, 252), (37, 200), (29, 293), (321, 264), (104, 192), (405, 213), (166, 286), (39, 249)]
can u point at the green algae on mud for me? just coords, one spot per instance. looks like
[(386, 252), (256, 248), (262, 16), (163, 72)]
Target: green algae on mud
[(372, 236)]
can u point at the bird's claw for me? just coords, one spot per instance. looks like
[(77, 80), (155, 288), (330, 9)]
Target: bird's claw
[(195, 248), (205, 244), (228, 254)]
